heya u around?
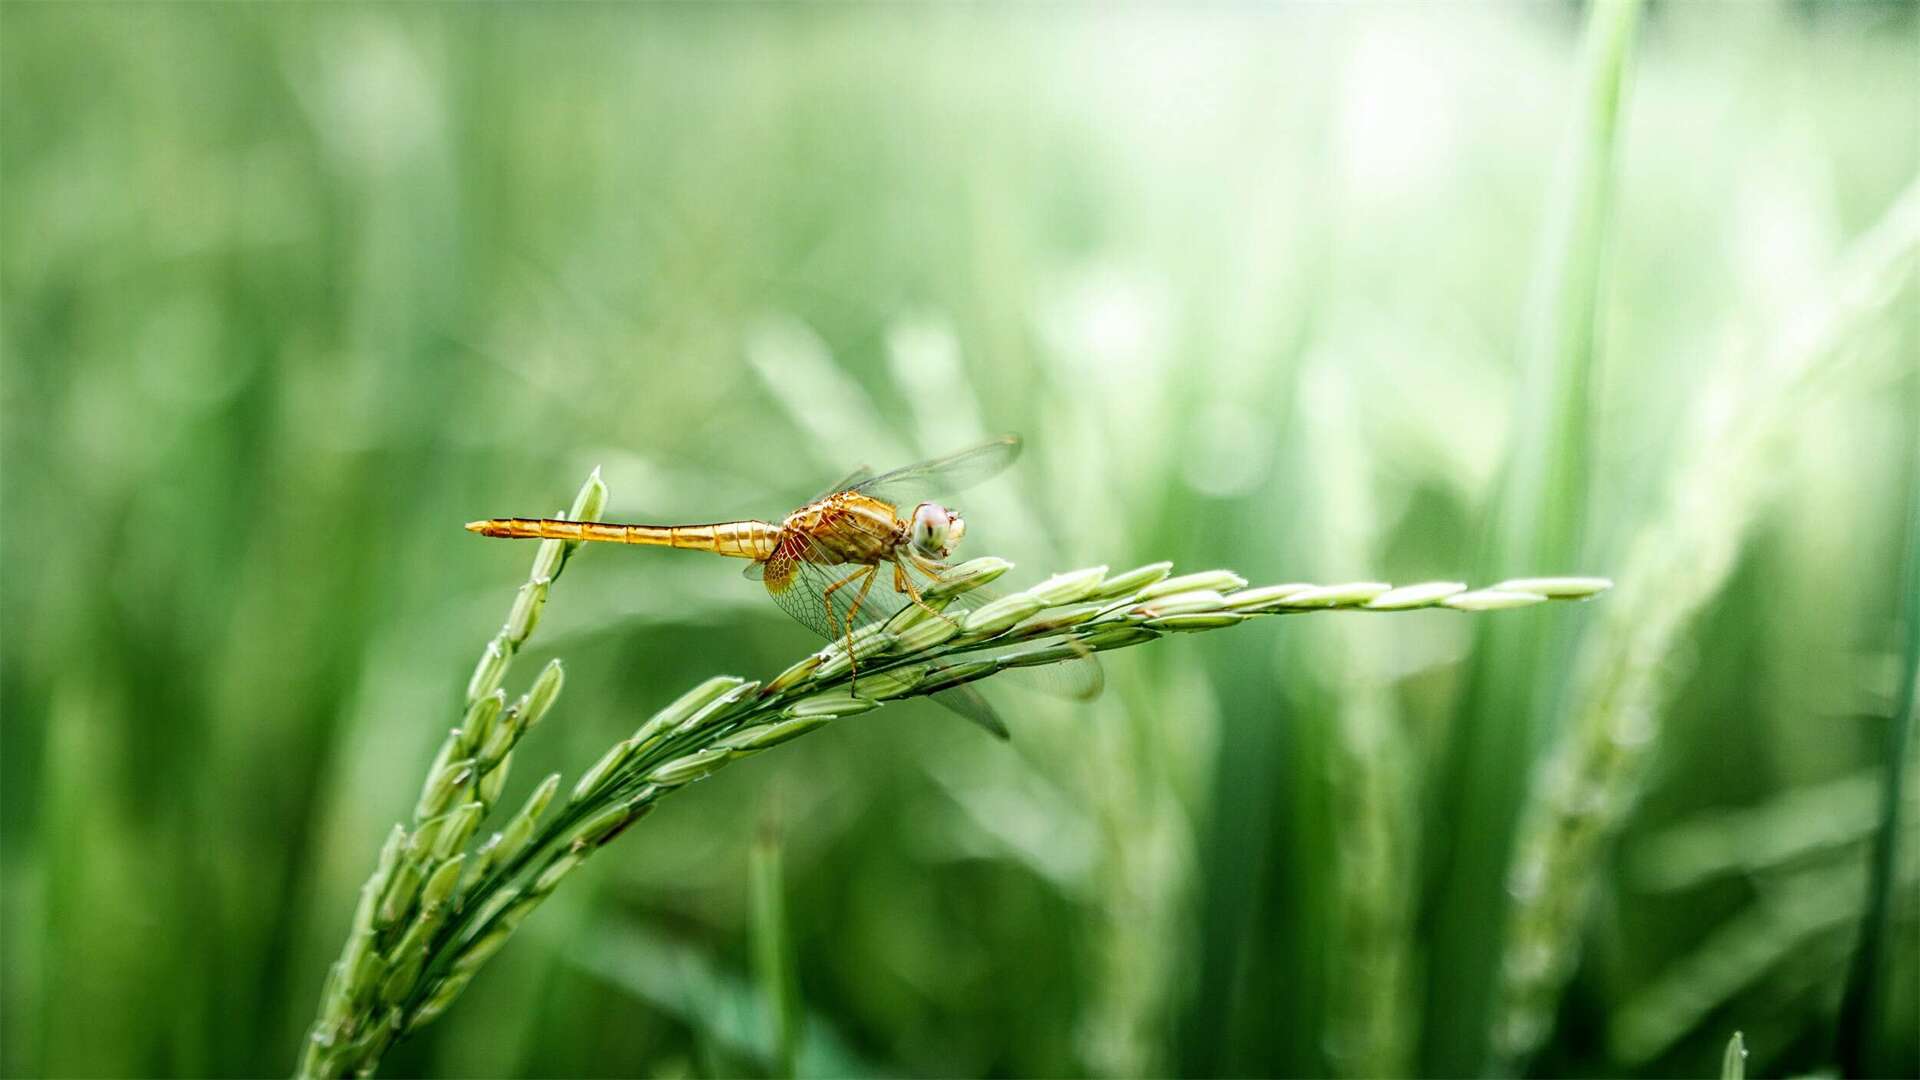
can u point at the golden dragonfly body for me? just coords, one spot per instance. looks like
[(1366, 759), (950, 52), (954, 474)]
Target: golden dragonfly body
[(845, 528), (821, 561)]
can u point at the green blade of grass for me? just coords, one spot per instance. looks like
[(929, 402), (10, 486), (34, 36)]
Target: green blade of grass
[(1581, 796), (1860, 1005), (1733, 1066), (1539, 523), (772, 954)]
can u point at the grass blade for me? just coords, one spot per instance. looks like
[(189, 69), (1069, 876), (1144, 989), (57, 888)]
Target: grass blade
[(772, 951), (1539, 516), (1860, 1005), (1581, 795)]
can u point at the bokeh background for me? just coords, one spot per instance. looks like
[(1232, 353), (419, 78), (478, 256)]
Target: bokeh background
[(1376, 291)]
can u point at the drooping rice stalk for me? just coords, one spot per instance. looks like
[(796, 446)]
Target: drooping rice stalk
[(1858, 1036), (434, 912), (1678, 564), (1371, 1021), (418, 880)]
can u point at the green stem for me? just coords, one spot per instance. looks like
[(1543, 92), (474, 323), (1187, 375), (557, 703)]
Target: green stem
[(1856, 1031)]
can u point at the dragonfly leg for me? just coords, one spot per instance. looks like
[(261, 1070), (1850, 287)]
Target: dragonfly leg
[(853, 665), (904, 584), (826, 597)]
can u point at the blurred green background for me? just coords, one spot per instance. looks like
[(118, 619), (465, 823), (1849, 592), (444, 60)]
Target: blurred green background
[(291, 292)]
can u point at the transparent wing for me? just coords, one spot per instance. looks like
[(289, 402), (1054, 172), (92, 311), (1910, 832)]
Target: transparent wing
[(967, 702), (941, 476), (849, 482), (827, 598)]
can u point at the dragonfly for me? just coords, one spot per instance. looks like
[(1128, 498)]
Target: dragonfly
[(822, 562)]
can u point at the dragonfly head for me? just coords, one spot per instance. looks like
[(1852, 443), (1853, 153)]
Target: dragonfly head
[(935, 530)]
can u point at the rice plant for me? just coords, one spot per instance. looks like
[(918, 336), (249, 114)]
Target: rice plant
[(1590, 780), (433, 913), (1341, 292)]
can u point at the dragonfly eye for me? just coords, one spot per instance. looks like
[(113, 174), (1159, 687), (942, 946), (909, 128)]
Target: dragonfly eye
[(932, 530)]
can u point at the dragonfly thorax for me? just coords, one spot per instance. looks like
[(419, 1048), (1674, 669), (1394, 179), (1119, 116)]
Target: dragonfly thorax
[(935, 530)]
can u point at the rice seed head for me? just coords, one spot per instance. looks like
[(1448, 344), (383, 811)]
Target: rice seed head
[(1045, 654), (997, 615), (686, 705), (1069, 587), (334, 1010), (761, 736), (892, 683), (1493, 600), (1131, 581), (1219, 581), (968, 575), (601, 825), (401, 889), (694, 766), (361, 967), (830, 706), (549, 878), (443, 995), (1264, 597), (474, 956), (1197, 620), (494, 781), (536, 803), (1558, 588), (548, 558), (441, 883), (1184, 602), (955, 674), (838, 658), (488, 672), (1115, 637), (1052, 620), (525, 614), (414, 942), (478, 722), (504, 733), (376, 885), (926, 634), (1408, 597), (402, 976), (513, 836), (596, 777), (591, 500), (443, 783), (794, 675), (913, 615), (541, 696), (719, 708), (1352, 594), (423, 807), (457, 829)]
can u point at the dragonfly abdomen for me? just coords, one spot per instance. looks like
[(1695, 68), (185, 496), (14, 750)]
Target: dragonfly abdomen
[(735, 539)]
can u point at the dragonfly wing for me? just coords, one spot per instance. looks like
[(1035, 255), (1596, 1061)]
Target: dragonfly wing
[(822, 596), (805, 589), (849, 482), (967, 702), (943, 475)]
